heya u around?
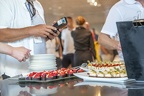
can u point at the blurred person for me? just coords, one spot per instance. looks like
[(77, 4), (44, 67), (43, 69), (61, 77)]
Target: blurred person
[(54, 47), (22, 24), (123, 10), (87, 25), (96, 44), (83, 43), (68, 44)]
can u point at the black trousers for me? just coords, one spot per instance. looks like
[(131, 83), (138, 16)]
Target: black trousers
[(82, 57), (67, 60)]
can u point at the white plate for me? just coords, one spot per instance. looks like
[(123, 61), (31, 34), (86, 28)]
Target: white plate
[(42, 56), (42, 64), (85, 77), (42, 60), (53, 65), (42, 69), (85, 68)]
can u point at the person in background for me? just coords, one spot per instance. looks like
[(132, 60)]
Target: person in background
[(96, 44), (123, 10), (19, 53), (22, 24), (68, 44), (83, 43), (87, 25), (54, 47)]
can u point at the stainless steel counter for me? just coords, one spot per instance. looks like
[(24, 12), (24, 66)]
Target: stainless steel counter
[(70, 87)]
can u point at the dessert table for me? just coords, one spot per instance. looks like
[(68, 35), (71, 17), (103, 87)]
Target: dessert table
[(70, 87)]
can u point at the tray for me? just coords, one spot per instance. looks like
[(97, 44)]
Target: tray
[(22, 79)]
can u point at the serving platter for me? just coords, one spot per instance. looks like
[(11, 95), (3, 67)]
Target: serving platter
[(86, 77), (23, 79), (85, 68)]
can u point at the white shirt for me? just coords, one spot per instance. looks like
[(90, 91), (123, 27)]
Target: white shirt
[(14, 14), (51, 47), (124, 10), (68, 46)]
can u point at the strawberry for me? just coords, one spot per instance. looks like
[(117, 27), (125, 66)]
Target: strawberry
[(80, 70)]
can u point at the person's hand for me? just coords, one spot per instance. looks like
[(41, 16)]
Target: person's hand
[(20, 53), (43, 30), (117, 45)]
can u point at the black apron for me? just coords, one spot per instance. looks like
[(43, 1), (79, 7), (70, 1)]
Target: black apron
[(131, 34)]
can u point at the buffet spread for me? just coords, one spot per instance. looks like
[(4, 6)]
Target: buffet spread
[(95, 71)]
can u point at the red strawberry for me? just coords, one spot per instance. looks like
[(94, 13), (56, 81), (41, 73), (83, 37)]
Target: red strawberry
[(80, 70), (63, 69), (74, 70)]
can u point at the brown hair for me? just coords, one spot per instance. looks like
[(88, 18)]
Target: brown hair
[(80, 20)]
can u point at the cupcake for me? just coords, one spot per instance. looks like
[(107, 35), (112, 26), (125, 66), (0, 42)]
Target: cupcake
[(43, 75), (49, 76), (70, 73), (30, 75), (36, 76), (61, 74)]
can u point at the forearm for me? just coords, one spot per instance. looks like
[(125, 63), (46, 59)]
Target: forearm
[(12, 34), (104, 50), (107, 42), (5, 49)]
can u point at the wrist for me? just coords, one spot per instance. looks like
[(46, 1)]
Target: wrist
[(29, 31), (10, 52)]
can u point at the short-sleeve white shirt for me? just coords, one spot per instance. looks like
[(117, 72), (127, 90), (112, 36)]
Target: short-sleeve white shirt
[(124, 10), (14, 14), (68, 46)]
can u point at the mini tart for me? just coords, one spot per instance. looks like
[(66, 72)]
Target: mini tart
[(100, 74), (92, 73), (49, 76), (70, 73), (61, 74), (43, 76), (30, 75), (36, 77)]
